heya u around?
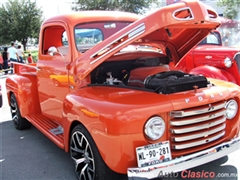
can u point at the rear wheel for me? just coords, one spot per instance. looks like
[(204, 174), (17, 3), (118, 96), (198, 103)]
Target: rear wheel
[(18, 121), (88, 163)]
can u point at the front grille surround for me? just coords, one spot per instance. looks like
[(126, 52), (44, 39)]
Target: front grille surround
[(197, 126)]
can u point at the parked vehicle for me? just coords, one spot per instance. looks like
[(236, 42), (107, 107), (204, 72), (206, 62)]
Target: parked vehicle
[(211, 59), (124, 109)]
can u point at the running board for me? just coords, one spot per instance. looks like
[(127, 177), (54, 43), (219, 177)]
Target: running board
[(48, 127)]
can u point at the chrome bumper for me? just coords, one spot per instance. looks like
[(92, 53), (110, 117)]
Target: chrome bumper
[(185, 162)]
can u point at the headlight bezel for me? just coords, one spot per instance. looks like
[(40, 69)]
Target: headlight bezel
[(231, 105), (151, 131)]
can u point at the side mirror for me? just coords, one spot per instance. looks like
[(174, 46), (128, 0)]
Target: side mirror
[(52, 50)]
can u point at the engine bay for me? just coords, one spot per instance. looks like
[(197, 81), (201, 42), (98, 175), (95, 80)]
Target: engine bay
[(149, 74)]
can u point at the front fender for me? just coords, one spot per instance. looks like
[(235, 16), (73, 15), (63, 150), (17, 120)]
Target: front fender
[(213, 72), (25, 89)]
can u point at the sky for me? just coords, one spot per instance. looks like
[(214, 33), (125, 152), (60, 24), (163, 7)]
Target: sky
[(51, 7), (54, 7)]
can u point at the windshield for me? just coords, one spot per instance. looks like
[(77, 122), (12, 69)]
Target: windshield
[(88, 35), (214, 38)]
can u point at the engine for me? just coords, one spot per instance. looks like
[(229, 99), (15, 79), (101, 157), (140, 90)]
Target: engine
[(166, 82), (159, 79)]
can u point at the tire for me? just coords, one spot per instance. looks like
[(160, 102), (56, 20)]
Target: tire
[(87, 160), (19, 122)]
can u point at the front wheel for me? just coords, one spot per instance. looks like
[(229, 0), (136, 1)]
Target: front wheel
[(88, 162), (18, 121)]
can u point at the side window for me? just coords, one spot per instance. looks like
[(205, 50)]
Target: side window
[(87, 38), (64, 39), (55, 36), (211, 39), (64, 48)]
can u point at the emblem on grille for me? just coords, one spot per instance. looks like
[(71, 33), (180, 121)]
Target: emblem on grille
[(210, 107)]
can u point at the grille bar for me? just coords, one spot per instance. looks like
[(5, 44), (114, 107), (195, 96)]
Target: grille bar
[(206, 117), (198, 127), (199, 135), (201, 142), (198, 110)]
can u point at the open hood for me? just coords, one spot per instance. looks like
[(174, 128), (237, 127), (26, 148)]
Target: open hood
[(172, 30)]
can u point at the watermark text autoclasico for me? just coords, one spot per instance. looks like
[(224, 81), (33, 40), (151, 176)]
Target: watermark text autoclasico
[(189, 174)]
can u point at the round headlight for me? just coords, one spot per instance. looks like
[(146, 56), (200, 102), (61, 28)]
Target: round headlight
[(227, 62), (231, 109), (154, 128)]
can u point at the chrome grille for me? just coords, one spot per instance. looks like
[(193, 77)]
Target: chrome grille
[(197, 126)]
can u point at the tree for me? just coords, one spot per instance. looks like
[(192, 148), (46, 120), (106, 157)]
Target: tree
[(231, 7), (134, 6), (19, 20)]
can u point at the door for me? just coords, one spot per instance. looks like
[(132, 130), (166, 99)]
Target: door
[(52, 74)]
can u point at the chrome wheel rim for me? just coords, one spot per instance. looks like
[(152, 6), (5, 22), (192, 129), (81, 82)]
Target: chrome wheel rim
[(14, 111), (55, 82), (82, 156)]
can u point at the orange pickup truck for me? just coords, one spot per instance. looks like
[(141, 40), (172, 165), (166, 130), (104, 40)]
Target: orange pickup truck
[(116, 103)]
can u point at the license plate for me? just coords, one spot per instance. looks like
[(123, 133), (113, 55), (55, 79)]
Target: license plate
[(153, 154)]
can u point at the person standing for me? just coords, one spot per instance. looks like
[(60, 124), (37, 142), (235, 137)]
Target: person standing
[(12, 54), (20, 53), (227, 39), (5, 60), (30, 59)]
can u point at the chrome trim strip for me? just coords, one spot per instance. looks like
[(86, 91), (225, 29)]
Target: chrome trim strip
[(181, 122), (199, 135), (196, 112), (196, 128), (136, 31), (185, 162), (198, 143)]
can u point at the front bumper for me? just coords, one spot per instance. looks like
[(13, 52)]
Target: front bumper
[(185, 162)]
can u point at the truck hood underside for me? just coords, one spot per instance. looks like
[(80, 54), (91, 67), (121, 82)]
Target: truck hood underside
[(173, 29)]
